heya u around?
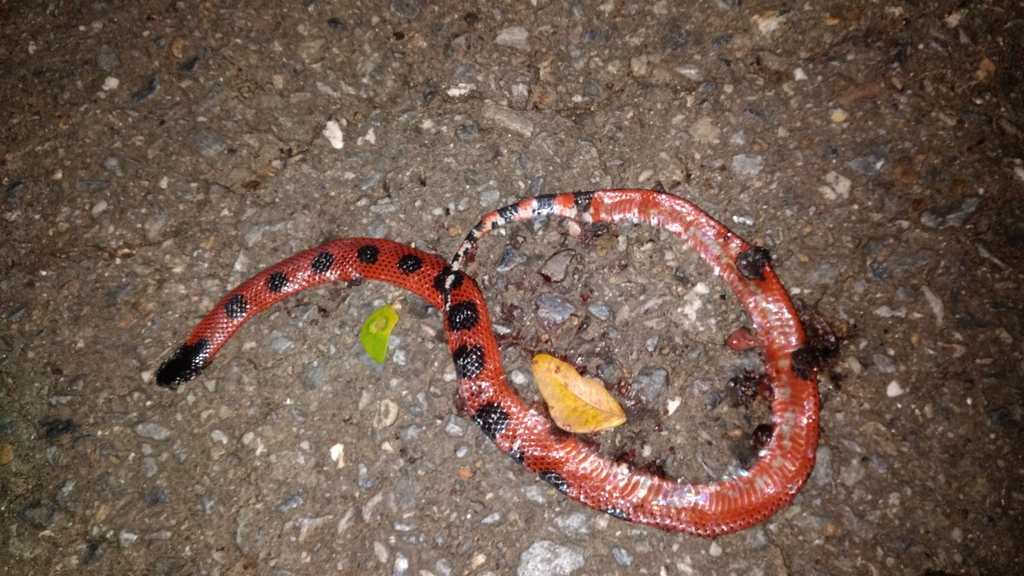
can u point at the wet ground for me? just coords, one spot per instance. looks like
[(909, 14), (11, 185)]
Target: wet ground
[(156, 153)]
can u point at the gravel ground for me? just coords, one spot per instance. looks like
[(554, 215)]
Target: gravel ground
[(154, 154)]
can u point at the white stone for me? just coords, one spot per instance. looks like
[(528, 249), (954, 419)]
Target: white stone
[(332, 131), (514, 37), (894, 389)]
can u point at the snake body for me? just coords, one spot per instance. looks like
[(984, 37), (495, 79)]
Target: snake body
[(574, 467)]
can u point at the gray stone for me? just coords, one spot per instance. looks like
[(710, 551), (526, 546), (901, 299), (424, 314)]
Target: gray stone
[(822, 473), (290, 503), (600, 310), (546, 558), (107, 59), (407, 8), (555, 269), (747, 165), (210, 144), (514, 37), (553, 310), (152, 430), (112, 164), (510, 258), (622, 556), (650, 384), (969, 205), (507, 119)]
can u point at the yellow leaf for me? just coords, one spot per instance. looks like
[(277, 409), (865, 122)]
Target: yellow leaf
[(577, 404)]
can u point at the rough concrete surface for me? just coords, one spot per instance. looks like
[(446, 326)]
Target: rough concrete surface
[(155, 153)]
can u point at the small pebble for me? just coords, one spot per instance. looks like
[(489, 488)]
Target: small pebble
[(553, 310), (412, 432), (514, 37), (407, 9), (454, 427), (690, 72), (152, 430), (489, 195), (650, 384), (467, 133), (576, 524), (852, 473), (279, 342), (401, 565), (747, 165), (838, 185), (822, 473), (894, 389), (332, 131), (107, 58), (600, 310), (714, 399), (638, 66), (1001, 416), (14, 191), (555, 269), (378, 228), (507, 119), (886, 311), (546, 558), (112, 164), (99, 207), (64, 494), (622, 556), (126, 539), (868, 164), (705, 130), (935, 303), (153, 225), (210, 145), (510, 258), (957, 219), (370, 182), (884, 363), (157, 497), (387, 414), (930, 219), (147, 91), (290, 503), (314, 374)]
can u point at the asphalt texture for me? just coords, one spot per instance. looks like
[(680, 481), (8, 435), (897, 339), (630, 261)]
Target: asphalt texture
[(155, 154)]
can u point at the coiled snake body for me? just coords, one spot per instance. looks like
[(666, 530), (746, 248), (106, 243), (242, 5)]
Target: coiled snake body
[(575, 468)]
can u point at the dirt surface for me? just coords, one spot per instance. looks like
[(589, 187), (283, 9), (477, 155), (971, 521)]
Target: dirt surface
[(154, 154)]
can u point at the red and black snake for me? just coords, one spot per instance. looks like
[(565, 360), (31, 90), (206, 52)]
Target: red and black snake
[(574, 467)]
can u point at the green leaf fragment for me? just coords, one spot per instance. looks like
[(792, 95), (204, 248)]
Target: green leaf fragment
[(376, 331)]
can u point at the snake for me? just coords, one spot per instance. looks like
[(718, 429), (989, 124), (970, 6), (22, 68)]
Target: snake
[(573, 465)]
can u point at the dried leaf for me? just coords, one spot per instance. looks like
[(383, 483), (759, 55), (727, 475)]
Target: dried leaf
[(576, 404), (376, 330)]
